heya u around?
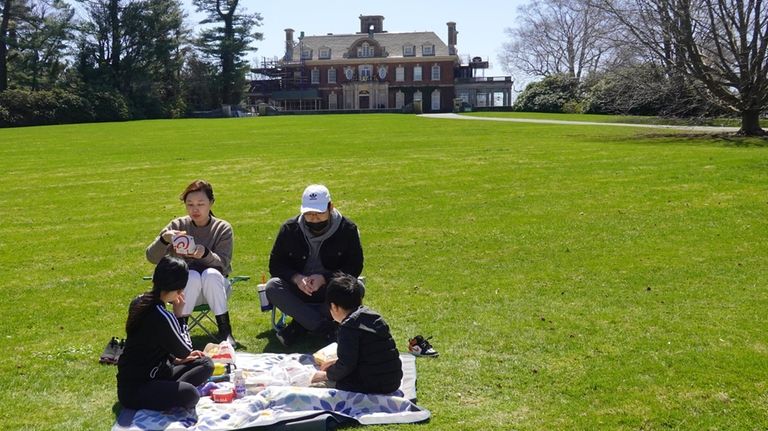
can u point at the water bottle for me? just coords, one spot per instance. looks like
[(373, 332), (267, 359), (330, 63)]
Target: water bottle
[(263, 300), (239, 384)]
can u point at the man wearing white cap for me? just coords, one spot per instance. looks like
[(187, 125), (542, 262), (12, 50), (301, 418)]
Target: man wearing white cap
[(308, 249)]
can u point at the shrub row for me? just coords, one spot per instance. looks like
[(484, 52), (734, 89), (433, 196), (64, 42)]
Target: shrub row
[(32, 108)]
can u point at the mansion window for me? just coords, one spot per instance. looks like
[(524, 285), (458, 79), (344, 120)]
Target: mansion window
[(325, 53), (409, 51), (399, 99), (306, 54), (365, 50), (436, 100), (428, 50), (436, 72), (331, 76), (315, 76), (366, 72), (400, 74), (417, 96), (333, 100), (417, 73)]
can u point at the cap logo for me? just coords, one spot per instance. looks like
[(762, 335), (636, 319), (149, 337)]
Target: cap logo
[(313, 196)]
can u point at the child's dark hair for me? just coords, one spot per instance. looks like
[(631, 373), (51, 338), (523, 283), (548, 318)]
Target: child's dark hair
[(345, 291), (171, 273)]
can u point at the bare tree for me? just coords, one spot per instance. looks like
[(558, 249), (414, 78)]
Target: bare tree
[(557, 37), (721, 44)]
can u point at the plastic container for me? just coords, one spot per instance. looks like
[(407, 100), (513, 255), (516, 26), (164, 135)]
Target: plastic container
[(239, 382), (263, 300), (223, 395)]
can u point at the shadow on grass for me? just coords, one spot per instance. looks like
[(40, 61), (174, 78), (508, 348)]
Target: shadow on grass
[(306, 344), (699, 139)]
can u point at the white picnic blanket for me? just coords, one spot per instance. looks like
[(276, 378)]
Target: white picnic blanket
[(273, 398)]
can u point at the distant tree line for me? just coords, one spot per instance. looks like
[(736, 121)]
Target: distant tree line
[(119, 59), (684, 58)]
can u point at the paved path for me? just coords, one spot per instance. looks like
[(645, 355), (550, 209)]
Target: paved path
[(693, 129)]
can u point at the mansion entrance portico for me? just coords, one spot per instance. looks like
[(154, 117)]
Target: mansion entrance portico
[(365, 95)]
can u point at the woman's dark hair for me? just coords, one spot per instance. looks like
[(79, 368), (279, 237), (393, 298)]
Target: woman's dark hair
[(345, 291), (198, 186), (171, 273)]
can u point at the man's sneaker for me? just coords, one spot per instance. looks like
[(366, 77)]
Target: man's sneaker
[(108, 357), (290, 333), (419, 346)]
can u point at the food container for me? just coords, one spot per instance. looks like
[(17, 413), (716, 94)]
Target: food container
[(223, 395)]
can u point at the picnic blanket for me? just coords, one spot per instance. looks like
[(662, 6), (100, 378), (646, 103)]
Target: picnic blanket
[(278, 394)]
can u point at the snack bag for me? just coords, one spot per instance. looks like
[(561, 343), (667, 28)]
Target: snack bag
[(327, 353), (222, 353)]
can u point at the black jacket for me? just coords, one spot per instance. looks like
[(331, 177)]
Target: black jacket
[(342, 251), (150, 348), (368, 358)]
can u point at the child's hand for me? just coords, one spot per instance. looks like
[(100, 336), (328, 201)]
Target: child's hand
[(327, 364), (319, 376)]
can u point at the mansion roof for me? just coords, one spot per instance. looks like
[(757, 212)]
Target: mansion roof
[(388, 45)]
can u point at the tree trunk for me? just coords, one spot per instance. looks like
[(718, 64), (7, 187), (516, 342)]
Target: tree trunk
[(228, 62), (114, 63), (4, 45), (750, 123)]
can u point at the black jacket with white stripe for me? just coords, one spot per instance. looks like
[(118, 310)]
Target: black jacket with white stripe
[(152, 346)]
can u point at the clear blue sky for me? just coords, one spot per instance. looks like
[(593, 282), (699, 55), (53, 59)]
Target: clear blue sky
[(480, 24)]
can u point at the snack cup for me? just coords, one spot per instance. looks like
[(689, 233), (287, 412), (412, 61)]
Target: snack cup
[(223, 395), (183, 244)]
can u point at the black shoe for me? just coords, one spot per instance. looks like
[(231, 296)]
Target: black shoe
[(290, 333), (419, 346)]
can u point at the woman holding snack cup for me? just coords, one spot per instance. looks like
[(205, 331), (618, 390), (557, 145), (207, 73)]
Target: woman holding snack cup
[(205, 242)]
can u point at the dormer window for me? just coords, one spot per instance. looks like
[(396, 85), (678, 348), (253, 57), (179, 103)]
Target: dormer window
[(306, 54), (365, 50), (409, 51), (324, 53), (428, 50)]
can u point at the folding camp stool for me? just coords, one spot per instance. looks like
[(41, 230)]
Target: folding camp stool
[(202, 312)]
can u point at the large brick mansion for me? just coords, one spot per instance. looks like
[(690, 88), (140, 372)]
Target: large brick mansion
[(375, 70)]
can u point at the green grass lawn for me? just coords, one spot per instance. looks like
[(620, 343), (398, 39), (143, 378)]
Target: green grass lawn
[(572, 277)]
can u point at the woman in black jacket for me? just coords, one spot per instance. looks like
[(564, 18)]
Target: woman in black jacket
[(159, 369)]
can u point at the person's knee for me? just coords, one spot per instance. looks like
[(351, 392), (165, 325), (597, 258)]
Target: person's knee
[(194, 281), (188, 396), (274, 285)]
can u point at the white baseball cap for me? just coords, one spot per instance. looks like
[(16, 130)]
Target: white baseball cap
[(316, 198)]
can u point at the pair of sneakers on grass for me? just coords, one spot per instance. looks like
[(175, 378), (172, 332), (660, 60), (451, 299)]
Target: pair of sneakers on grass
[(112, 351)]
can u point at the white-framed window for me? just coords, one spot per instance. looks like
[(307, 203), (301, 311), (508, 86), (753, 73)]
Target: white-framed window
[(417, 73), (332, 75), (436, 100), (400, 74), (324, 53), (436, 72), (315, 76), (366, 72), (306, 54), (464, 97), (333, 100), (417, 96), (365, 50), (409, 50), (399, 99), (427, 49)]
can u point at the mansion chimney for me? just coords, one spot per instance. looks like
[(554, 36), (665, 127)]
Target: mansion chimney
[(452, 37), (371, 24), (288, 44)]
